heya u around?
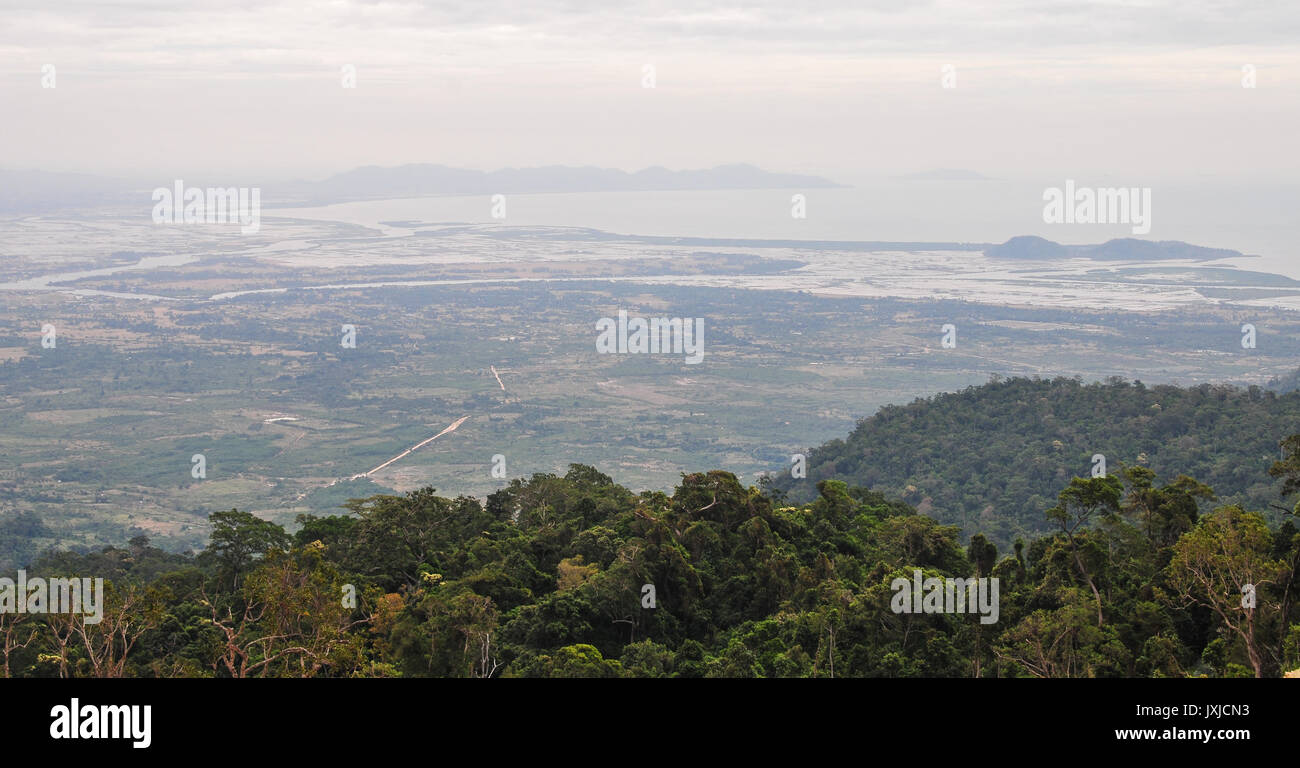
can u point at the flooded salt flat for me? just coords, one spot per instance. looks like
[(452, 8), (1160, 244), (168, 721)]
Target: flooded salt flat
[(1244, 216), (345, 244), (962, 275)]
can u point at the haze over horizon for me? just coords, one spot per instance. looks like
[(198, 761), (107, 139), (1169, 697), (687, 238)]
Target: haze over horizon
[(840, 91)]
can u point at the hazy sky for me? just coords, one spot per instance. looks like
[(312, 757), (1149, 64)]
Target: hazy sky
[(849, 89)]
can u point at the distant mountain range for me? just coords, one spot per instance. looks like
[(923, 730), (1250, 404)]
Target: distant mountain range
[(945, 174), (417, 180), (1122, 249), (31, 191)]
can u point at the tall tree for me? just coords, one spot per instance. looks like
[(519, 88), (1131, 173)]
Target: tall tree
[(240, 538), (1223, 564), (1084, 500)]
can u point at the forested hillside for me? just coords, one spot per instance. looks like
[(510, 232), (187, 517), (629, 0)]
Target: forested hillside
[(576, 576), (991, 458)]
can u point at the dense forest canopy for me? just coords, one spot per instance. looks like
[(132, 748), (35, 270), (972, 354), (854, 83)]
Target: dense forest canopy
[(576, 576)]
